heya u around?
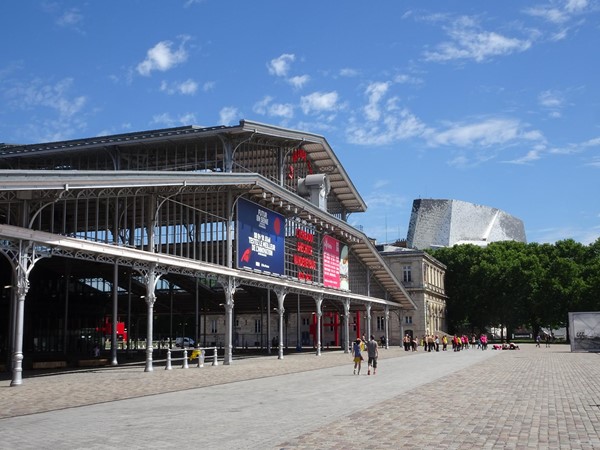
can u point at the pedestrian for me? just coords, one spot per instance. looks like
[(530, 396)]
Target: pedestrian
[(547, 340), (538, 339), (444, 343), (373, 353), (357, 355)]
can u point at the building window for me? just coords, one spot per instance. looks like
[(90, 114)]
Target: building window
[(406, 274), (213, 326), (380, 323), (408, 320), (305, 321), (257, 326)]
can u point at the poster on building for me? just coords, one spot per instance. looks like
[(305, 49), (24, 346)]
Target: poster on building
[(260, 238), (344, 268), (584, 331), (335, 264), (331, 262)]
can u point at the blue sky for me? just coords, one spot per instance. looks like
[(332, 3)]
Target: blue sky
[(495, 103)]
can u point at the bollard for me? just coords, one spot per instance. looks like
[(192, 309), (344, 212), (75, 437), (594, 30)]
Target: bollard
[(168, 366), (215, 362), (185, 360), (201, 358)]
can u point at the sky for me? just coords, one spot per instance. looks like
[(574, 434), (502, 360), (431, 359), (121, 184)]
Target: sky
[(494, 103)]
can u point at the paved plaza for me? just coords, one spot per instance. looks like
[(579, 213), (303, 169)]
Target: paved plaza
[(533, 398)]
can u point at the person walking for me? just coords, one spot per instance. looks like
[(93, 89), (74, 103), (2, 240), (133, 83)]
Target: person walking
[(373, 353), (357, 355)]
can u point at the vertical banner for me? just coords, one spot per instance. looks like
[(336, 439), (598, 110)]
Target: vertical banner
[(331, 262), (260, 238), (335, 264), (344, 269)]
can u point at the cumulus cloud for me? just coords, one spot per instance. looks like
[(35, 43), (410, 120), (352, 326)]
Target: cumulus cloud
[(268, 108), (55, 96), (299, 80), (281, 65), (167, 120), (187, 87), (228, 114), (70, 18), (375, 92), (208, 86), (550, 99), (469, 41), (319, 101), (397, 125), (385, 121), (495, 131), (530, 156), (348, 72), (162, 57)]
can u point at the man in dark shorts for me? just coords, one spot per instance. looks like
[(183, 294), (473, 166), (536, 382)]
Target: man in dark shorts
[(373, 352)]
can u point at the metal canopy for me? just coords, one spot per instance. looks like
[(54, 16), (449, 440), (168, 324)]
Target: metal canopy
[(321, 154), (254, 184)]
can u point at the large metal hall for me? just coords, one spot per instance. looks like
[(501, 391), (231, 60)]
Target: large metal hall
[(115, 238)]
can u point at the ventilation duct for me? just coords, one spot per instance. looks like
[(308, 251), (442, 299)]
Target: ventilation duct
[(315, 188)]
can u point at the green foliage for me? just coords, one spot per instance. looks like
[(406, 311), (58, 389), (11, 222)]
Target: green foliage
[(511, 284)]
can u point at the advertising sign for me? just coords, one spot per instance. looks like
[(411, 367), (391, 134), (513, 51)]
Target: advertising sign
[(584, 331), (260, 238), (331, 262), (335, 264)]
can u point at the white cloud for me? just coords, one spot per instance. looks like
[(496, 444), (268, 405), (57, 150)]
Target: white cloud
[(208, 86), (532, 155), (167, 120), (551, 99), (486, 133), (55, 96), (228, 114), (558, 15), (70, 18), (319, 101), (299, 81), (266, 107), (187, 87), (576, 5), (280, 66), (375, 92), (282, 110), (592, 143), (348, 72), (262, 106), (381, 183), (161, 57), (553, 15), (468, 41), (397, 125)]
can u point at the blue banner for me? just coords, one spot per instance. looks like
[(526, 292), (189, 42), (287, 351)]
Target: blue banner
[(260, 238)]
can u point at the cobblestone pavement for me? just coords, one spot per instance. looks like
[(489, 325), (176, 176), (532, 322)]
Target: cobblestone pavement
[(52, 390), (534, 398)]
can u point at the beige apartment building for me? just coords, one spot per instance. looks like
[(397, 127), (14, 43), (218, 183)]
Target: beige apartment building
[(423, 277)]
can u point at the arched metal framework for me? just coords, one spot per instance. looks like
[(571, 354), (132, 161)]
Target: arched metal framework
[(144, 209)]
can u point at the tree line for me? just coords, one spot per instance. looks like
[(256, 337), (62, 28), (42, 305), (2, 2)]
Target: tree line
[(513, 284)]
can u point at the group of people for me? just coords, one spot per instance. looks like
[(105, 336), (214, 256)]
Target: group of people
[(358, 348), (547, 339), (432, 342)]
